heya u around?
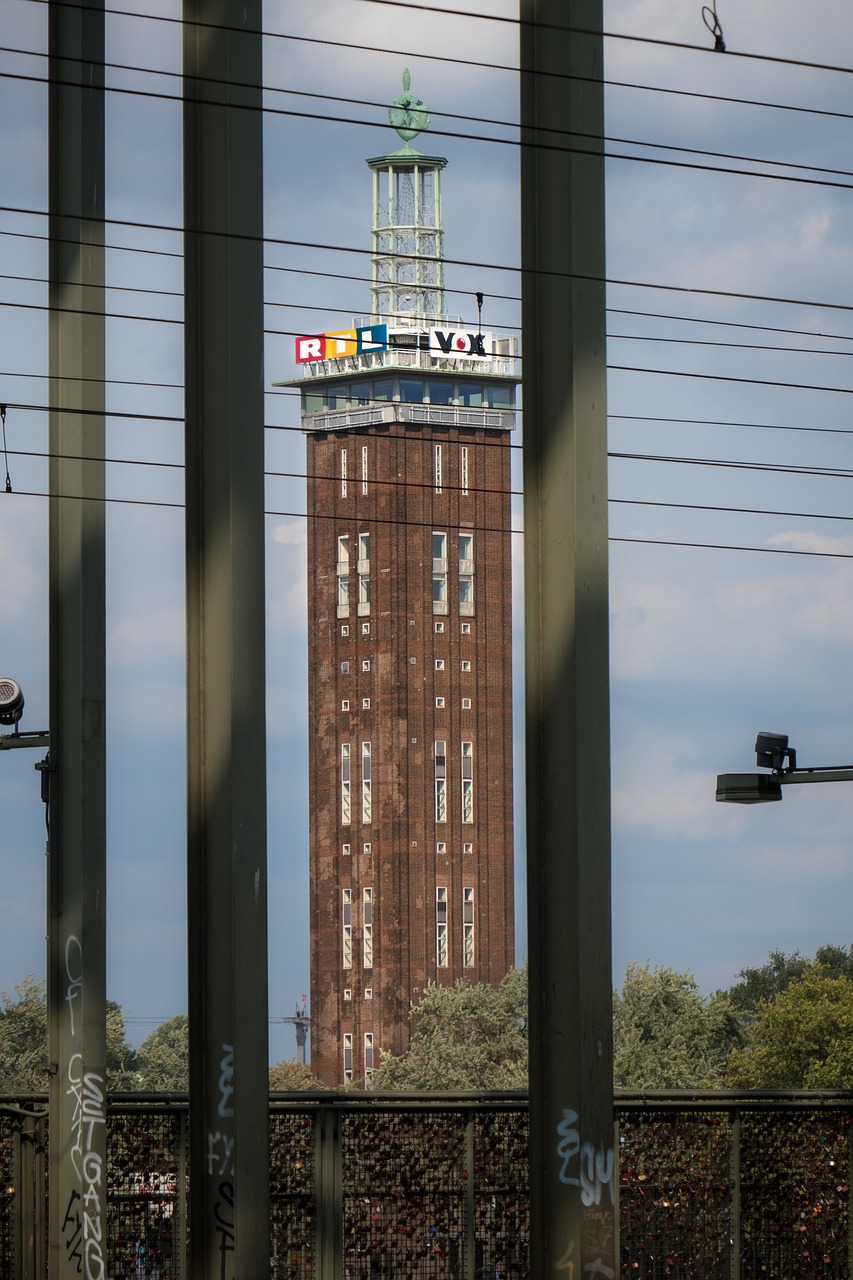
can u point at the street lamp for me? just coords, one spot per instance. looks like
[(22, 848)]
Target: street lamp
[(11, 710), (771, 752)]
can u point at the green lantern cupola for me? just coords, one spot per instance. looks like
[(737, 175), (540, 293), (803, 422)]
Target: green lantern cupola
[(408, 273)]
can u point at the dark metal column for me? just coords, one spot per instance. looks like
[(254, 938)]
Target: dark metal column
[(226, 756), (572, 1165), (76, 988)]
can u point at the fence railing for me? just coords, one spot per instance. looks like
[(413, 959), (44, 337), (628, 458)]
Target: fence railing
[(434, 1187)]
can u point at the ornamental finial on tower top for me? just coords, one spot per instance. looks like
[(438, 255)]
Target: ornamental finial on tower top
[(407, 114)]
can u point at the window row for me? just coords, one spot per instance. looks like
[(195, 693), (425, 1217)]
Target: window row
[(344, 574), (368, 1057), (366, 930), (466, 573), (442, 927), (345, 468), (441, 847), (362, 574), (440, 703), (468, 393), (346, 784), (439, 456), (466, 778)]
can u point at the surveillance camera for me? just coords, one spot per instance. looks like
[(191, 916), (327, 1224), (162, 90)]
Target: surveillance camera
[(11, 701)]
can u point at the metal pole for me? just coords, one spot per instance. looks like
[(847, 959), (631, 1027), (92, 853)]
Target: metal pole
[(226, 755), (572, 1161), (76, 962)]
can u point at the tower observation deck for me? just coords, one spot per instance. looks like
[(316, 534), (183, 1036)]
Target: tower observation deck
[(407, 417)]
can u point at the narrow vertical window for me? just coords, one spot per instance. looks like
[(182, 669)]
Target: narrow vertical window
[(368, 1058), (441, 926), (467, 782), (441, 781), (346, 928), (346, 793), (468, 927), (364, 573), (343, 473), (464, 470), (364, 469), (368, 928), (438, 468), (366, 807), (347, 1056), (466, 573), (439, 573), (343, 576)]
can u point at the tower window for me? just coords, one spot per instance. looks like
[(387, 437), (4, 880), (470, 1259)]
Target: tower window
[(466, 573), (367, 938), (466, 704), (368, 1058), (347, 1056), (364, 469), (468, 927), (346, 794), (439, 573), (464, 470), (441, 926), (364, 573), (343, 575), (438, 468), (366, 808), (439, 664), (346, 928), (441, 781), (466, 664), (343, 473), (439, 702), (467, 782)]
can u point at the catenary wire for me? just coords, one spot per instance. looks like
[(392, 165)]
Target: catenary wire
[(302, 515), (481, 17)]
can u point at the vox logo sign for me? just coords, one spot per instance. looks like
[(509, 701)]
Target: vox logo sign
[(456, 342)]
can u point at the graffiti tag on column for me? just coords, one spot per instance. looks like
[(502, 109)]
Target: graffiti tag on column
[(72, 1231), (220, 1154), (73, 975), (87, 1089), (223, 1213), (226, 1081), (595, 1168)]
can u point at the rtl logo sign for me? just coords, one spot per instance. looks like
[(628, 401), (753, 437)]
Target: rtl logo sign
[(346, 342)]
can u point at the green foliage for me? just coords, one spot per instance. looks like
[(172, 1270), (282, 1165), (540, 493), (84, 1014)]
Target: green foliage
[(287, 1076), (802, 1038), (163, 1058), (23, 1038), (23, 1041), (464, 1037), (770, 979), (666, 1035)]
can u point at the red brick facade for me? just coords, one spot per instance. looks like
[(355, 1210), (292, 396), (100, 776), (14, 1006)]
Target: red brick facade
[(402, 659)]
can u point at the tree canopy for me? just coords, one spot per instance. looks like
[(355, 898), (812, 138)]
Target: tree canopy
[(288, 1076), (162, 1060), (468, 1036), (23, 1041), (770, 979), (802, 1038), (666, 1035)]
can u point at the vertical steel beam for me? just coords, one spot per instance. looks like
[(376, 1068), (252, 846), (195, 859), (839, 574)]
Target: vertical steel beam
[(76, 984), (226, 755), (329, 1193), (572, 1166)]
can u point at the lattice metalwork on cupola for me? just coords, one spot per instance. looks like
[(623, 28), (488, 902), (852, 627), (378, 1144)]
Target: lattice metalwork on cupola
[(408, 273)]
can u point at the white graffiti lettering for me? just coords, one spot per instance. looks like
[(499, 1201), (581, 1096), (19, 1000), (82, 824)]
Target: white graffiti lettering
[(220, 1154), (596, 1167), (73, 975), (87, 1090)]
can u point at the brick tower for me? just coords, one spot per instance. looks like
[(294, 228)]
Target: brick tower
[(407, 418)]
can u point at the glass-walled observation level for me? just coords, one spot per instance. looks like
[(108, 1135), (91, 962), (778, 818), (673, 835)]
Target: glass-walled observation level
[(464, 399), (407, 266)]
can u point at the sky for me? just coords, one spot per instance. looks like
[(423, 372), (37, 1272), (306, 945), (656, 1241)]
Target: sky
[(730, 337)]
